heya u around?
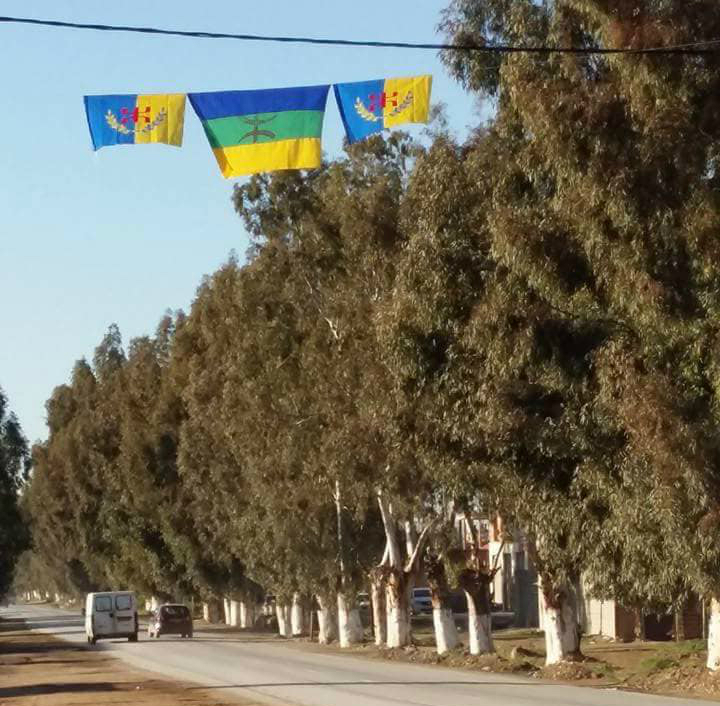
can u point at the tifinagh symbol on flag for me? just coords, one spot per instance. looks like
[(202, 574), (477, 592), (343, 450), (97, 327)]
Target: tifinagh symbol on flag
[(367, 107), (136, 119), (264, 130)]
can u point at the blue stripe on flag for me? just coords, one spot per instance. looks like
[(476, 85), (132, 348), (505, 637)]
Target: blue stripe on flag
[(223, 104)]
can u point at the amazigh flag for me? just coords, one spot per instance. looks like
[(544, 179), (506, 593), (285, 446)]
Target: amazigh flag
[(136, 119), (367, 107), (265, 130)]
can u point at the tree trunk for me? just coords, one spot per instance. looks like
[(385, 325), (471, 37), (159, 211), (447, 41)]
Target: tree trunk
[(247, 614), (446, 637), (397, 595), (234, 613), (350, 627), (297, 616), (226, 610), (379, 612), (154, 603), (327, 621), (639, 628), (283, 618), (480, 620), (713, 642), (562, 634), (400, 578), (679, 625), (211, 611)]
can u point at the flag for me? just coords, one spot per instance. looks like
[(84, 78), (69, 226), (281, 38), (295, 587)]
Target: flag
[(264, 130), (367, 107), (136, 119)]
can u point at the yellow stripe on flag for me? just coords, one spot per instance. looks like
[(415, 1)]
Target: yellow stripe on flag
[(415, 92), (161, 118), (239, 160)]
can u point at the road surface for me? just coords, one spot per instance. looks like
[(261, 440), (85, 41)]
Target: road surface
[(266, 669)]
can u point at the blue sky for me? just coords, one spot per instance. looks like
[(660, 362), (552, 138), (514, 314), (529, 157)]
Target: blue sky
[(120, 236)]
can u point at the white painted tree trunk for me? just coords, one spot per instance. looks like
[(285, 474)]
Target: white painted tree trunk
[(350, 627), (297, 616), (154, 603), (211, 611), (226, 610), (446, 637), (561, 631), (327, 621), (713, 658), (398, 613), (234, 613), (377, 597), (283, 618), (479, 627), (247, 614)]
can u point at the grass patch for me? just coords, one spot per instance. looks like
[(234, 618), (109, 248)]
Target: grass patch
[(688, 648), (657, 664), (604, 670)]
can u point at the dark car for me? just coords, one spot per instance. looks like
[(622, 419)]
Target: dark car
[(171, 619)]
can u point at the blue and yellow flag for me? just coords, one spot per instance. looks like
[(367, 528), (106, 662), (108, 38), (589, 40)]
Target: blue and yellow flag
[(367, 107), (136, 119), (265, 130)]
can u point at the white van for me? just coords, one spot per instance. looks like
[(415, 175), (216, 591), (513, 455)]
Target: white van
[(111, 614)]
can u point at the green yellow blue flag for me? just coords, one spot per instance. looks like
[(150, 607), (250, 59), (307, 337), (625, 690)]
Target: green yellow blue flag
[(136, 119), (264, 130), (368, 107)]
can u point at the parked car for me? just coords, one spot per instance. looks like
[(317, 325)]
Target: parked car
[(171, 619), (501, 619), (421, 601), (111, 614)]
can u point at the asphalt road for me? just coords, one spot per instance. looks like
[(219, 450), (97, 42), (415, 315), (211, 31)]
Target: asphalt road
[(268, 669)]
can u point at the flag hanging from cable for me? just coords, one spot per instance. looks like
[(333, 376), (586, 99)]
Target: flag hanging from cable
[(265, 130), (368, 107), (136, 119)]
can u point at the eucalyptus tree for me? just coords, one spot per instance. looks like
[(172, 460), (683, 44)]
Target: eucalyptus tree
[(66, 493), (602, 222), (14, 466), (151, 415), (333, 239)]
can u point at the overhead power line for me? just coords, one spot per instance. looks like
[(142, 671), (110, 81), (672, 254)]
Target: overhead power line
[(699, 48)]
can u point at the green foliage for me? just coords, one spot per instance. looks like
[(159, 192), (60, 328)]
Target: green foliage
[(14, 466)]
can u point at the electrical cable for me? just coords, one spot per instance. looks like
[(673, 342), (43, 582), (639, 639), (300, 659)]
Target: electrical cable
[(681, 49)]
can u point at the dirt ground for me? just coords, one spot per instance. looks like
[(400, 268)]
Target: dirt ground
[(666, 668), (40, 670)]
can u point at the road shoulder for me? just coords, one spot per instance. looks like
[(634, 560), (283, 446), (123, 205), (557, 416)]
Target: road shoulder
[(40, 668)]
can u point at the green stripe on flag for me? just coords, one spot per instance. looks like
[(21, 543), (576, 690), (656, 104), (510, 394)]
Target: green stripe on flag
[(263, 127)]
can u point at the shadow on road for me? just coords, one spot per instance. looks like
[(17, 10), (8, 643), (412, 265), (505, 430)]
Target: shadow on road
[(11, 692)]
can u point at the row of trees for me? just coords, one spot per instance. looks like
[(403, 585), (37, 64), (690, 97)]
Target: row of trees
[(524, 323)]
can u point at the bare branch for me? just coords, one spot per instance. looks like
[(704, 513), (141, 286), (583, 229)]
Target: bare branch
[(390, 531), (495, 567), (333, 328), (413, 561)]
